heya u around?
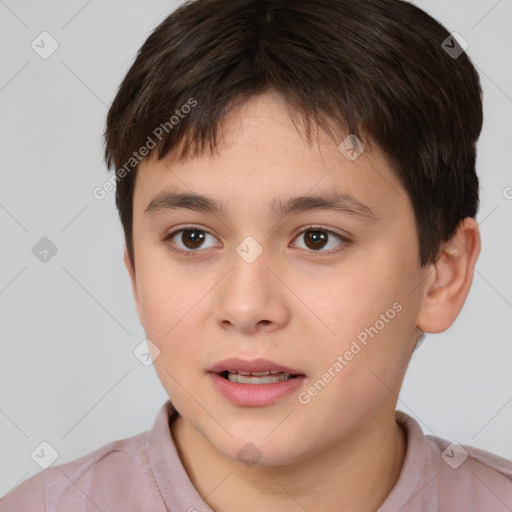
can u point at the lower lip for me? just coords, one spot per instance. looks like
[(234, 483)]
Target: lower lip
[(255, 395)]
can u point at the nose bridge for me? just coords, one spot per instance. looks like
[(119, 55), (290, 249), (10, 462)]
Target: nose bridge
[(249, 295), (250, 274)]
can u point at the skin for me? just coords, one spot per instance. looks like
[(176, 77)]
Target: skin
[(294, 305)]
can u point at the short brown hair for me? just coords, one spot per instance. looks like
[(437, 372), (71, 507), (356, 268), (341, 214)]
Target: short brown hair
[(378, 69)]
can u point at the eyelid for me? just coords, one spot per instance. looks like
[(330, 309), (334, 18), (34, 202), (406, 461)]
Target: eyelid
[(320, 227)]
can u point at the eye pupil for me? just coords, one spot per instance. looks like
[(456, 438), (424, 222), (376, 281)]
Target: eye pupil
[(316, 238), (192, 238)]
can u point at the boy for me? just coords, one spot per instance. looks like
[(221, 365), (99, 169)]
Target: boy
[(296, 183)]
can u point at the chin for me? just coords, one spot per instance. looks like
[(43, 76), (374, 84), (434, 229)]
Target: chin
[(258, 450)]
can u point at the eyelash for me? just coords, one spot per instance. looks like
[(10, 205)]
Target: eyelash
[(190, 253)]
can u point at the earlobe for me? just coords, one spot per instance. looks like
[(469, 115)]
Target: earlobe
[(450, 280)]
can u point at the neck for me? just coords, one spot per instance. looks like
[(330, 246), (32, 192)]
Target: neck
[(357, 474)]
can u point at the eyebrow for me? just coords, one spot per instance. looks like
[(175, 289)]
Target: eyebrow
[(334, 201)]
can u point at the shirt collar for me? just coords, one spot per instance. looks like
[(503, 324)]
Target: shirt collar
[(418, 474), (178, 492)]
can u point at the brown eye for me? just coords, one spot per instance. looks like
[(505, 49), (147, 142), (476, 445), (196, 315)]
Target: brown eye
[(188, 240), (192, 238), (316, 240)]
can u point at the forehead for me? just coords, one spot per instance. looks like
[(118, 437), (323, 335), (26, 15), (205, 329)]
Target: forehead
[(263, 155)]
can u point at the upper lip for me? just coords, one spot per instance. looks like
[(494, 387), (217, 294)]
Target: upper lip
[(255, 365)]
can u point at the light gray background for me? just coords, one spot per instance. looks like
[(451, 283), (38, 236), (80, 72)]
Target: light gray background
[(69, 326)]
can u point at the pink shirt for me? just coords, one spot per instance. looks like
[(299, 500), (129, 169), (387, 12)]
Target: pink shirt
[(144, 473)]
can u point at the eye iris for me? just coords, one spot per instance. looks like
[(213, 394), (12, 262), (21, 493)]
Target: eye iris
[(316, 238), (192, 238)]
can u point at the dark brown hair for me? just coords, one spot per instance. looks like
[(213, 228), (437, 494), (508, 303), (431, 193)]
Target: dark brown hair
[(379, 69)]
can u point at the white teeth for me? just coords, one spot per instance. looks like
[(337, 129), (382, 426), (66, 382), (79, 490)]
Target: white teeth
[(271, 372), (258, 377)]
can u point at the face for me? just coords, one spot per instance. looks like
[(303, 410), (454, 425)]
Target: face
[(328, 292)]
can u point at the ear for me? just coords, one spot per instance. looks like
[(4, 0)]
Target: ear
[(131, 272), (450, 278)]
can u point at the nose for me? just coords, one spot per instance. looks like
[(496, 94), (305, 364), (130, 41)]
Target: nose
[(252, 298)]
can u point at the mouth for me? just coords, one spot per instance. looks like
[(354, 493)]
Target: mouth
[(269, 377), (255, 383), (256, 371)]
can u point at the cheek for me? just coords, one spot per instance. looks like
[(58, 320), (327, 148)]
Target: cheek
[(172, 314), (348, 302), (371, 323), (167, 292), (357, 373)]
